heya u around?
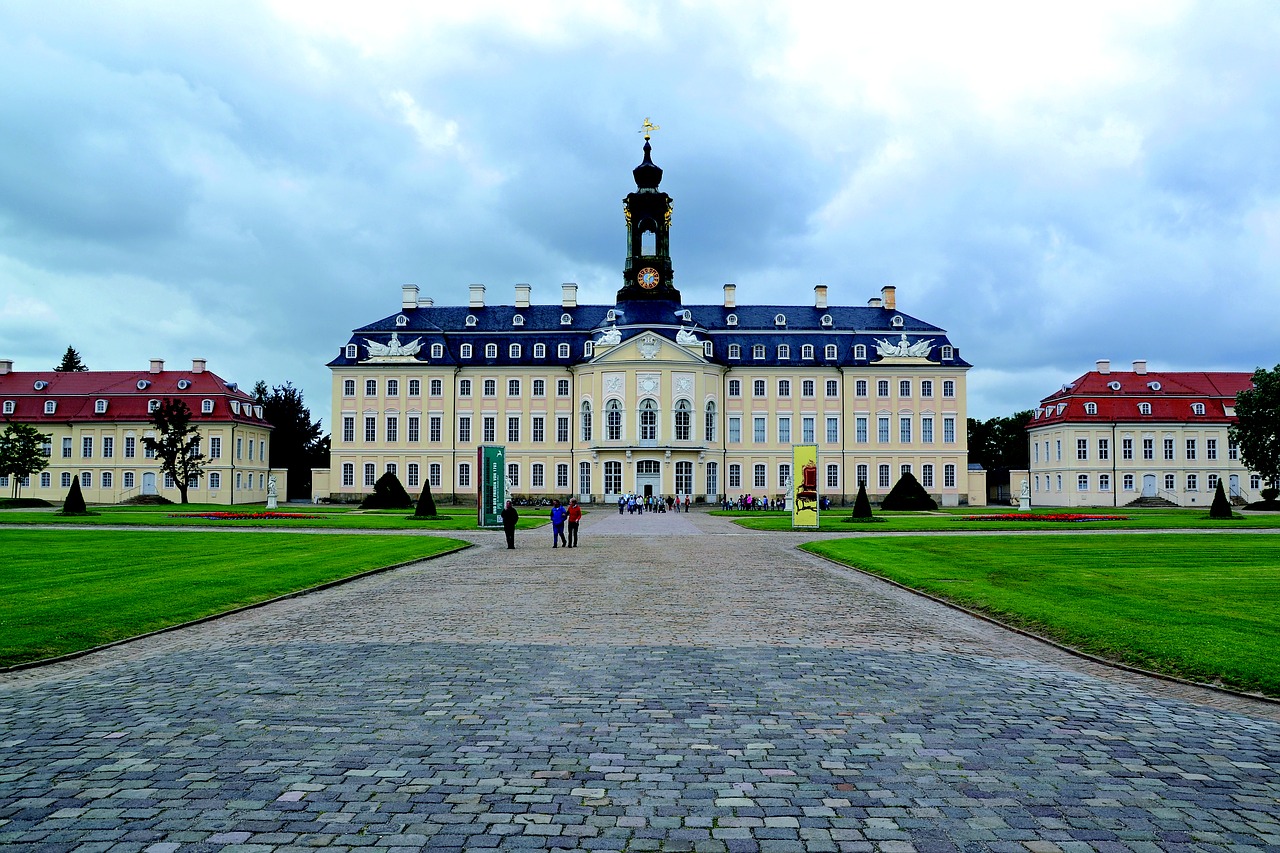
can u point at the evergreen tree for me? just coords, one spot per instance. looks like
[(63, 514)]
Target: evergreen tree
[(426, 504), (908, 494), (71, 362), (387, 494), (1001, 443), (74, 503), (177, 443), (296, 443), (1221, 506), (21, 453), (862, 504)]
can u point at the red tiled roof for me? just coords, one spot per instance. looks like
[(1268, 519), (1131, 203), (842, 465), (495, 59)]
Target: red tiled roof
[(76, 394), (1117, 397)]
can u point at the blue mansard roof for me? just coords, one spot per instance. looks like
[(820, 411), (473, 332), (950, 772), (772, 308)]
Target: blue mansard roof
[(747, 325)]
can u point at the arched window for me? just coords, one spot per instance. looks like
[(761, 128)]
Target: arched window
[(437, 350), (713, 480), (612, 425), (826, 321), (710, 431), (757, 351), (562, 351), (513, 350), (566, 320), (684, 415), (351, 351), (735, 351), (784, 352), (859, 351), (806, 351), (948, 353), (539, 350), (731, 320), (584, 480), (896, 321), (1091, 408), (586, 420), (779, 319), (517, 320), (471, 320), (402, 321), (1144, 408), (1197, 408), (464, 351), (490, 350), (648, 420)]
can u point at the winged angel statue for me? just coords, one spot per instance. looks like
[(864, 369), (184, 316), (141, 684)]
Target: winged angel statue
[(920, 349), (394, 347)]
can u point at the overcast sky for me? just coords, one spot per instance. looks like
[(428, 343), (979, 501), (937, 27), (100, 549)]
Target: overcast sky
[(247, 182)]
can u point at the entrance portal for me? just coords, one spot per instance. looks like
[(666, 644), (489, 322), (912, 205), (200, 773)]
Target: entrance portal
[(149, 483), (648, 477), (1148, 485)]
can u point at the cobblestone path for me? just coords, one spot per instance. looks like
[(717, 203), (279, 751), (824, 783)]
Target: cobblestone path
[(673, 684)]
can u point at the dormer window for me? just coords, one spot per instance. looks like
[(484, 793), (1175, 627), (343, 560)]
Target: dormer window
[(707, 348), (143, 384), (686, 315), (464, 351), (235, 407), (1113, 385), (513, 351), (827, 322), (50, 407), (830, 353), (1197, 408), (206, 407), (351, 351), (184, 384), (1091, 408), (517, 320), (735, 351), (1154, 386), (948, 353), (565, 319), (40, 385), (860, 352), (562, 351), (471, 321), (401, 321), (589, 347), (437, 350), (757, 351), (779, 319), (610, 316), (539, 350), (152, 405), (490, 350), (806, 351), (8, 407), (896, 321), (1144, 408), (731, 320), (99, 407), (257, 411), (784, 352), (1062, 407)]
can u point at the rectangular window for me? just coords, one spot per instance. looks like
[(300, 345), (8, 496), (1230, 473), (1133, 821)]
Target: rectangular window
[(1126, 448), (348, 428), (926, 475), (66, 447), (1193, 482), (562, 476), (513, 428), (926, 430), (437, 387), (784, 387), (489, 427), (86, 447), (948, 430), (807, 430), (1211, 449), (757, 387), (491, 387), (1233, 451), (784, 430), (464, 475), (735, 476), (1148, 448), (370, 474), (1082, 482), (371, 387), (434, 470), (904, 387), (215, 447), (882, 430), (859, 388), (833, 430), (1082, 448), (370, 431), (513, 387), (1168, 448), (926, 387), (513, 474), (883, 472), (862, 474), (584, 478), (464, 387), (806, 388), (349, 390), (411, 475), (757, 430), (393, 428), (1191, 448), (562, 390), (860, 428), (539, 388), (1104, 448), (833, 388), (1128, 482), (464, 429), (904, 430), (735, 430), (562, 434), (435, 424), (948, 476), (735, 388), (539, 429), (415, 387), (1104, 482), (108, 447), (882, 387), (536, 476), (833, 476), (760, 472), (349, 470), (393, 387), (948, 390), (784, 474), (413, 429)]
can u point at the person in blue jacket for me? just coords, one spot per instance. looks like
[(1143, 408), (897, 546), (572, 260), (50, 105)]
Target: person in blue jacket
[(557, 525)]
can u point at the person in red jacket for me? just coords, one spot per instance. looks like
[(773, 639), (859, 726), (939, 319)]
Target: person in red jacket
[(575, 516)]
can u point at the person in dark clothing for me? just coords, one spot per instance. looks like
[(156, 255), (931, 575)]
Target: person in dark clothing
[(574, 517), (509, 516)]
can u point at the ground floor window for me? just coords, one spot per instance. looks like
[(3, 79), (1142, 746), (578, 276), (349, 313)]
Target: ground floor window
[(713, 478), (513, 474), (1082, 482), (1128, 482), (833, 476), (760, 474), (735, 476), (370, 474), (562, 476), (926, 476), (584, 478), (464, 475), (613, 478), (1170, 482), (412, 475), (684, 478), (1104, 482), (215, 480), (537, 475), (434, 470), (863, 472), (948, 476), (884, 476)]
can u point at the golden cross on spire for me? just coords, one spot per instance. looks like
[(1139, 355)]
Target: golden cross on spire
[(648, 127)]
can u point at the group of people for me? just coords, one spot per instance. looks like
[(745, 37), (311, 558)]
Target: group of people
[(561, 516), (632, 503), (748, 502)]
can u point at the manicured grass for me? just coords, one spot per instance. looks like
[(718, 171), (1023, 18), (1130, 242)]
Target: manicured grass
[(1200, 607), (332, 517), (64, 591), (837, 519)]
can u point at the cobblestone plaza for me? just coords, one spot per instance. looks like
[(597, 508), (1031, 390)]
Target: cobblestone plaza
[(673, 684)]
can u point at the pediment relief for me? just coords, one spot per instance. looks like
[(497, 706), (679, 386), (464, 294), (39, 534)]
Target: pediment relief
[(646, 347)]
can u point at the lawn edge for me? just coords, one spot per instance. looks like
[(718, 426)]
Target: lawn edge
[(1071, 650), (297, 593)]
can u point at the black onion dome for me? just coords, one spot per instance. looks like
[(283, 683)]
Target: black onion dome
[(647, 175)]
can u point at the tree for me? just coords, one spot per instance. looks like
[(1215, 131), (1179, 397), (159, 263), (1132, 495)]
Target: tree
[(74, 503), (296, 443), (177, 443), (71, 362), (1257, 427), (862, 504), (1221, 506), (21, 453), (1001, 443), (387, 494), (426, 504)]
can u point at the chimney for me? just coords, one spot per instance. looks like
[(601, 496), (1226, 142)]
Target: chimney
[(197, 365), (889, 294), (731, 296), (426, 302), (1140, 367), (873, 302), (157, 365), (6, 366), (409, 296), (522, 295), (1104, 366), (819, 296), (568, 295), (477, 296)]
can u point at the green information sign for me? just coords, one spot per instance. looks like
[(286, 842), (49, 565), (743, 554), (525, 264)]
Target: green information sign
[(492, 483)]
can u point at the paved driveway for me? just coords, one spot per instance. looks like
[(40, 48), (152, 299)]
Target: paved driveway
[(673, 684)]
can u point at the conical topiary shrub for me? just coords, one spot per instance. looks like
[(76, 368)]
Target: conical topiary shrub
[(74, 503), (1221, 506), (426, 504), (908, 494), (861, 504), (387, 494)]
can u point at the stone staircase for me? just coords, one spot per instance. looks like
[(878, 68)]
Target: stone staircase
[(1151, 503)]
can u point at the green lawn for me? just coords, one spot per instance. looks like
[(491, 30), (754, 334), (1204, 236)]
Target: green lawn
[(1200, 607), (64, 591), (331, 517), (837, 519)]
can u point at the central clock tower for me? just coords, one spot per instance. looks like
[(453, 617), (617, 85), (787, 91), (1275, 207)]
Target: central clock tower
[(648, 273)]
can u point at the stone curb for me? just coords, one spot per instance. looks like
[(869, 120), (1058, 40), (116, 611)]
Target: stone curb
[(298, 593), (1227, 691)]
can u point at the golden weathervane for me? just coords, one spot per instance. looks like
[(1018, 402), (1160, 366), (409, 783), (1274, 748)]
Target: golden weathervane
[(648, 127)]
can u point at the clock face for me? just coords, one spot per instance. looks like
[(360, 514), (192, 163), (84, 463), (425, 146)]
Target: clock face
[(648, 278)]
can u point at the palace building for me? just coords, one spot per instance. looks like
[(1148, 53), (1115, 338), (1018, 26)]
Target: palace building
[(94, 422), (1116, 438), (648, 395)]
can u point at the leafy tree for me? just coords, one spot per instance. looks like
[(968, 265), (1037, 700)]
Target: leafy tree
[(1221, 506), (1257, 426), (387, 494), (296, 443), (21, 453), (74, 503), (177, 443), (71, 362), (908, 494), (1001, 443)]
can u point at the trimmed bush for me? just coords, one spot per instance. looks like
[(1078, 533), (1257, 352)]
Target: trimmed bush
[(426, 504), (387, 494), (1221, 506), (861, 504), (908, 495), (74, 504)]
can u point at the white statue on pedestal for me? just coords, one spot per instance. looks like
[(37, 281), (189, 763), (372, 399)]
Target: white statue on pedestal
[(1024, 499), (271, 491)]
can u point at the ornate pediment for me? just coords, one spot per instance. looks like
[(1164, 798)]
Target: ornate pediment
[(647, 346)]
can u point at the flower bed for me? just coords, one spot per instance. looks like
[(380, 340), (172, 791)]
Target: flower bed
[(236, 516), (1057, 516)]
